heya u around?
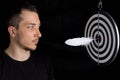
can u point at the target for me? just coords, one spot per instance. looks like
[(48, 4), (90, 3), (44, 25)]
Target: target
[(103, 29)]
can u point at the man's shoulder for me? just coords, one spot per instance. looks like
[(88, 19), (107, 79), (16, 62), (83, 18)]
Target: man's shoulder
[(1, 56), (1, 53), (1, 60)]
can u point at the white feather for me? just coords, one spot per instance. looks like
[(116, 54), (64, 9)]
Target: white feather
[(78, 41)]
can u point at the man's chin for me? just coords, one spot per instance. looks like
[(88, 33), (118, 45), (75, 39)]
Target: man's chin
[(32, 48)]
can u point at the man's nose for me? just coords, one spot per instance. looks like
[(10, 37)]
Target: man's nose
[(39, 34)]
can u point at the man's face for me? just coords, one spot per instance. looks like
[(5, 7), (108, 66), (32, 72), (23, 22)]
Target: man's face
[(28, 34)]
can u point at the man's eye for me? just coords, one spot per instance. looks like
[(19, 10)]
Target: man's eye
[(30, 26)]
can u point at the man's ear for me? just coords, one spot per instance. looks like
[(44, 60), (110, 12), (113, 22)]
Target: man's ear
[(12, 31)]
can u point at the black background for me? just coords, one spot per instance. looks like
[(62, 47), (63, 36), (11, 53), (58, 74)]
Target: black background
[(63, 19)]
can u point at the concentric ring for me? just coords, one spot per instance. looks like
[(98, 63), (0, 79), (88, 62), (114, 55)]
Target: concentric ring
[(103, 29)]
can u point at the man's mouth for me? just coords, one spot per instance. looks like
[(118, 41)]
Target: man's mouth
[(36, 41)]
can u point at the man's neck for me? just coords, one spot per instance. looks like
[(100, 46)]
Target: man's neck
[(17, 54)]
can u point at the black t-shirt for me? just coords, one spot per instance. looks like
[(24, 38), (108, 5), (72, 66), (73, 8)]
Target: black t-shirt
[(37, 67)]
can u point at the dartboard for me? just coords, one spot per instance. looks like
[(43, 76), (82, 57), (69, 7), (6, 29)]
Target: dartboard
[(103, 29)]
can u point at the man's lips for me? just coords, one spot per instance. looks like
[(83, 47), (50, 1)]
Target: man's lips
[(36, 41)]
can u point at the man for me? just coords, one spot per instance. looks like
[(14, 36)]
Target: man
[(17, 62)]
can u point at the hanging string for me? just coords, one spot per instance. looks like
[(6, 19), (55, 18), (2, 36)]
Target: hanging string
[(100, 5), (99, 9)]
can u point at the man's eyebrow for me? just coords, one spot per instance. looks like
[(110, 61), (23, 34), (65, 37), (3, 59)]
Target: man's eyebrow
[(34, 24)]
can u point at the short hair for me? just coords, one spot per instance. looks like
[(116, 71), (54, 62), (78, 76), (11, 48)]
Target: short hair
[(14, 18)]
